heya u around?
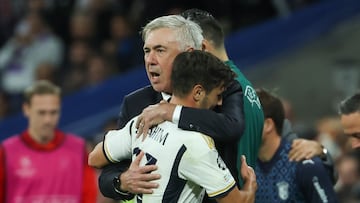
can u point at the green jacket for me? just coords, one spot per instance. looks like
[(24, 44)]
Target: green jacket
[(250, 141)]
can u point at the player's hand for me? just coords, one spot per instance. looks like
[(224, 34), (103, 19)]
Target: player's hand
[(248, 174), (137, 180), (304, 149), (250, 184), (153, 115)]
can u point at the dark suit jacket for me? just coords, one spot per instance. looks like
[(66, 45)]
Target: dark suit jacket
[(225, 125)]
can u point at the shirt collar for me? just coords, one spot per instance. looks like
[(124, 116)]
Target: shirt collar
[(165, 96), (58, 139)]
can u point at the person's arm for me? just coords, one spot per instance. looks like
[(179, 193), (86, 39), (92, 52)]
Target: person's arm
[(107, 184), (97, 158), (90, 191), (301, 148), (314, 183), (230, 115), (112, 173), (306, 149), (109, 181), (116, 148), (212, 174), (129, 181), (247, 193)]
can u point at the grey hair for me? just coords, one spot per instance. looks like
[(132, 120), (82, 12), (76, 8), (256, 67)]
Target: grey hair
[(187, 32)]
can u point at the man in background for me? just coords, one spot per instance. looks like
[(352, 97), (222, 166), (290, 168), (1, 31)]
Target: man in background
[(281, 180), (350, 119), (42, 163)]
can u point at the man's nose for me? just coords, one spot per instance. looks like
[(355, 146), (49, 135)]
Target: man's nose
[(150, 57)]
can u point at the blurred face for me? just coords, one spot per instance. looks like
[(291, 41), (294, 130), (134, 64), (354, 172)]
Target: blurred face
[(35, 23), (348, 173), (160, 49), (351, 125), (45, 71), (213, 99), (119, 28), (81, 27), (43, 114), (78, 53), (97, 70)]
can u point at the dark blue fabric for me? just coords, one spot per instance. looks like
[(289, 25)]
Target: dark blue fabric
[(280, 180)]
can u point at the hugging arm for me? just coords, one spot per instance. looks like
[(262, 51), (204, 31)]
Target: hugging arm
[(97, 158), (106, 180), (306, 149), (230, 115), (115, 178), (248, 191)]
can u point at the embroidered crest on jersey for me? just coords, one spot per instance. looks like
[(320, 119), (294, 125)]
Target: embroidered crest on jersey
[(251, 95), (283, 190)]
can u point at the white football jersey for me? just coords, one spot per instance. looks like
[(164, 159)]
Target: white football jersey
[(187, 161)]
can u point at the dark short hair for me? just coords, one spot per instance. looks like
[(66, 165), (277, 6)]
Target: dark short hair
[(272, 108), (350, 104), (212, 30), (199, 67)]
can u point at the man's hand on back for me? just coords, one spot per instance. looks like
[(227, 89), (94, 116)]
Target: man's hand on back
[(304, 149), (153, 115), (137, 180)]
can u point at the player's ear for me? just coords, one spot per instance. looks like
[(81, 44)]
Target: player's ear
[(205, 45), (198, 92), (268, 125)]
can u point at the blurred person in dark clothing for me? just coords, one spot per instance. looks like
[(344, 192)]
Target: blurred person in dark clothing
[(348, 185), (350, 118), (5, 105), (279, 179)]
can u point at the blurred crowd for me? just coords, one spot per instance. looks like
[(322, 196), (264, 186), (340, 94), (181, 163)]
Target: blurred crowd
[(80, 43)]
